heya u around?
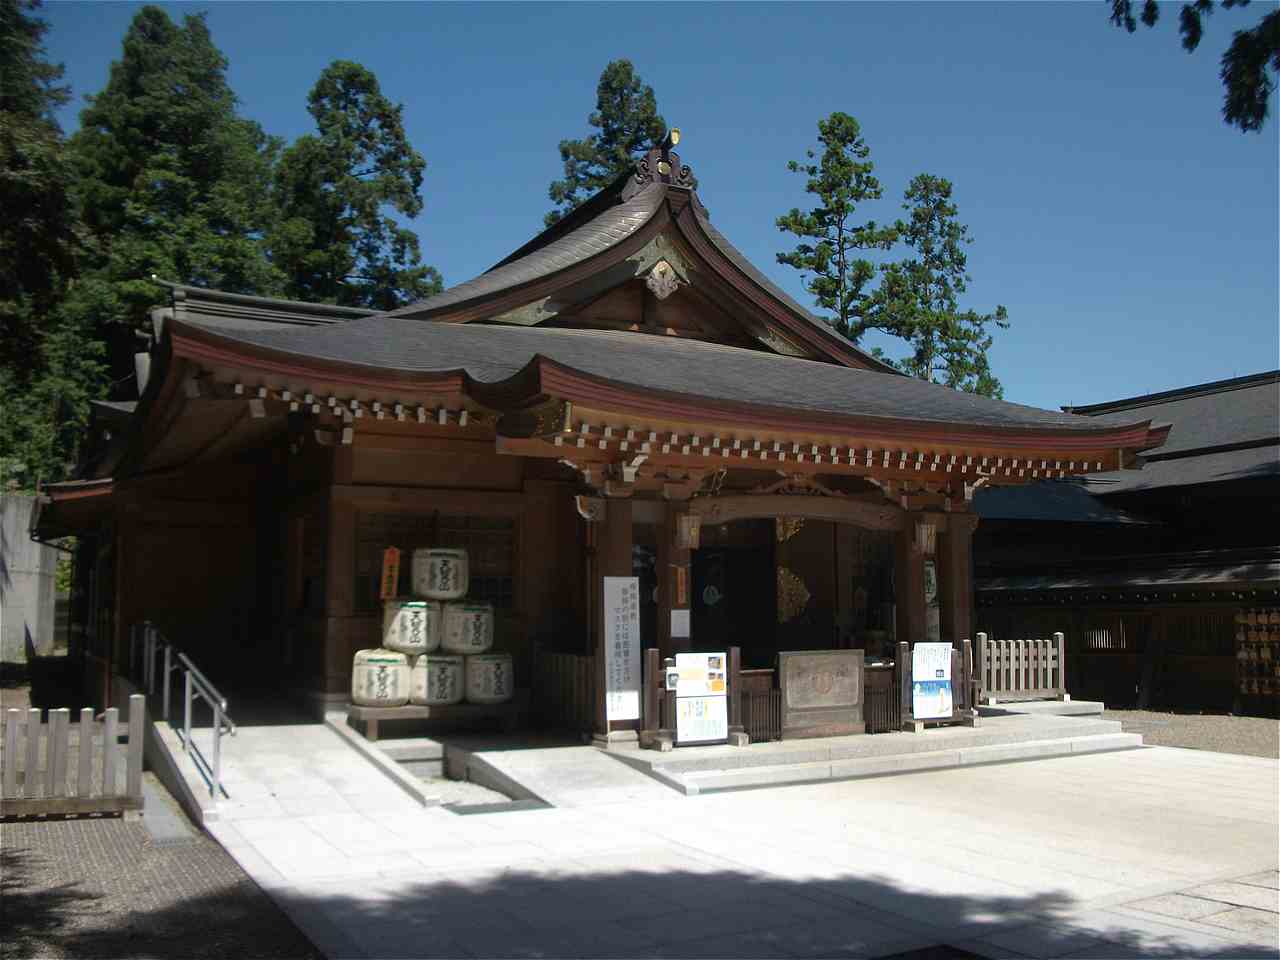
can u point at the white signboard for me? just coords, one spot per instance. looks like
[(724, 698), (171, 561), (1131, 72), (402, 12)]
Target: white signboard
[(701, 704), (701, 674), (679, 623), (622, 647), (700, 719), (931, 681)]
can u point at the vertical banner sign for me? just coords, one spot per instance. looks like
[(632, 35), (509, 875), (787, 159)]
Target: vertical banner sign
[(931, 681), (622, 647), (390, 573)]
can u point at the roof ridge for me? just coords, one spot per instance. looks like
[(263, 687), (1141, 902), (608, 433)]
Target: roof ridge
[(1178, 393)]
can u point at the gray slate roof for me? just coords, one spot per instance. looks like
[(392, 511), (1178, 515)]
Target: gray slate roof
[(1245, 410), (595, 236), (1056, 501), (489, 353), (1215, 467)]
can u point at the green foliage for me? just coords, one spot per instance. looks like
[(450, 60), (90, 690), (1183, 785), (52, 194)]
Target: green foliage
[(1247, 87), (918, 296), (172, 182), (629, 125), (38, 242), (334, 241), (49, 367), (45, 418), (840, 178)]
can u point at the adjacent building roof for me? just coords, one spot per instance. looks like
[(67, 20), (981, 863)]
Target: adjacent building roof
[(236, 311), (1243, 411), (1210, 570), (1051, 500), (1223, 430)]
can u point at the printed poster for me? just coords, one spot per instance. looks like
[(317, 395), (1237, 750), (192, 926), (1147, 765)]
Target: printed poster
[(931, 681), (701, 719), (701, 674), (622, 647)]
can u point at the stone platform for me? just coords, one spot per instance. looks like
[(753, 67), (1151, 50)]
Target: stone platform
[(1001, 738)]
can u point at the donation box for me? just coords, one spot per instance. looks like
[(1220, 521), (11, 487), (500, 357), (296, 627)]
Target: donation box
[(821, 693)]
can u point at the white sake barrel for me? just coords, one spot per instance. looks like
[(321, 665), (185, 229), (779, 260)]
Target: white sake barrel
[(440, 574), (489, 678), (468, 627), (380, 678), (411, 626), (437, 680)]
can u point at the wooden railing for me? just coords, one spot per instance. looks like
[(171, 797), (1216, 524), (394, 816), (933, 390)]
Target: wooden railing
[(37, 763), (565, 691), (882, 710), (1021, 669), (762, 714)]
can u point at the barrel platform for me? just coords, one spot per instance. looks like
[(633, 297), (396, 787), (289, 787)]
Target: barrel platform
[(459, 716)]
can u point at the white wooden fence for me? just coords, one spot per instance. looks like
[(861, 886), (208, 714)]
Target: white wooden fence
[(37, 776), (1021, 669)]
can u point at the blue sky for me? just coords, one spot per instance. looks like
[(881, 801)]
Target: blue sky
[(1130, 233)]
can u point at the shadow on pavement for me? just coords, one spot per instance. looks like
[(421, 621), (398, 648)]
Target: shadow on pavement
[(646, 911)]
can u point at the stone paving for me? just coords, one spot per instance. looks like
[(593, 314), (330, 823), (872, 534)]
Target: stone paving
[(1153, 852)]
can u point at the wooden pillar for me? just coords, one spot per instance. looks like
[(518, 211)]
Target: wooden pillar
[(613, 559), (339, 596), (675, 586), (908, 565), (955, 577)]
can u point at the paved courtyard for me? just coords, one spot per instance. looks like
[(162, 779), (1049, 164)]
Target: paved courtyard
[(1155, 852)]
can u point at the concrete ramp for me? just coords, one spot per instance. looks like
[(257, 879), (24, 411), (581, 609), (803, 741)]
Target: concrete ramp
[(278, 771), (556, 774)]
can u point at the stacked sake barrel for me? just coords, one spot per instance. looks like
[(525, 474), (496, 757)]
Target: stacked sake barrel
[(442, 640)]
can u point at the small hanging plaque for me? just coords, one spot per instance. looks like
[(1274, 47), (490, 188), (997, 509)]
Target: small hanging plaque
[(390, 573)]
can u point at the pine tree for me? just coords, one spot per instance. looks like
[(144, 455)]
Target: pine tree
[(918, 296), (172, 182), (334, 240), (1246, 65), (629, 125), (38, 242), (841, 177), (49, 367)]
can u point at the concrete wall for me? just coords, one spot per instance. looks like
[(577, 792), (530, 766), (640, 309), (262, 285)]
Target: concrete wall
[(26, 584)]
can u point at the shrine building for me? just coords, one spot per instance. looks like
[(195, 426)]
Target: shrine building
[(624, 395)]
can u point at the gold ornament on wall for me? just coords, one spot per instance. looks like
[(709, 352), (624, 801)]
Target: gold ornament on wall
[(793, 595), (787, 527)]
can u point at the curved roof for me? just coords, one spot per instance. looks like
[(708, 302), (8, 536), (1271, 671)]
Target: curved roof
[(614, 215), (597, 235), (490, 355)]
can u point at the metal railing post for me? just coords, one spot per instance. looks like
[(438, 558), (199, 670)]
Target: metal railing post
[(216, 779), (168, 669), (186, 720)]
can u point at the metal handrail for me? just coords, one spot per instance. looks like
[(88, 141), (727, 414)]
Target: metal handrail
[(196, 685)]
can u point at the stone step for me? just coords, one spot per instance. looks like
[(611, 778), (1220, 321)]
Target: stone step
[(423, 769), (409, 749), (704, 781)]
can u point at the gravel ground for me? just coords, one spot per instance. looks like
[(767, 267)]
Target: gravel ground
[(105, 888), (1251, 736)]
